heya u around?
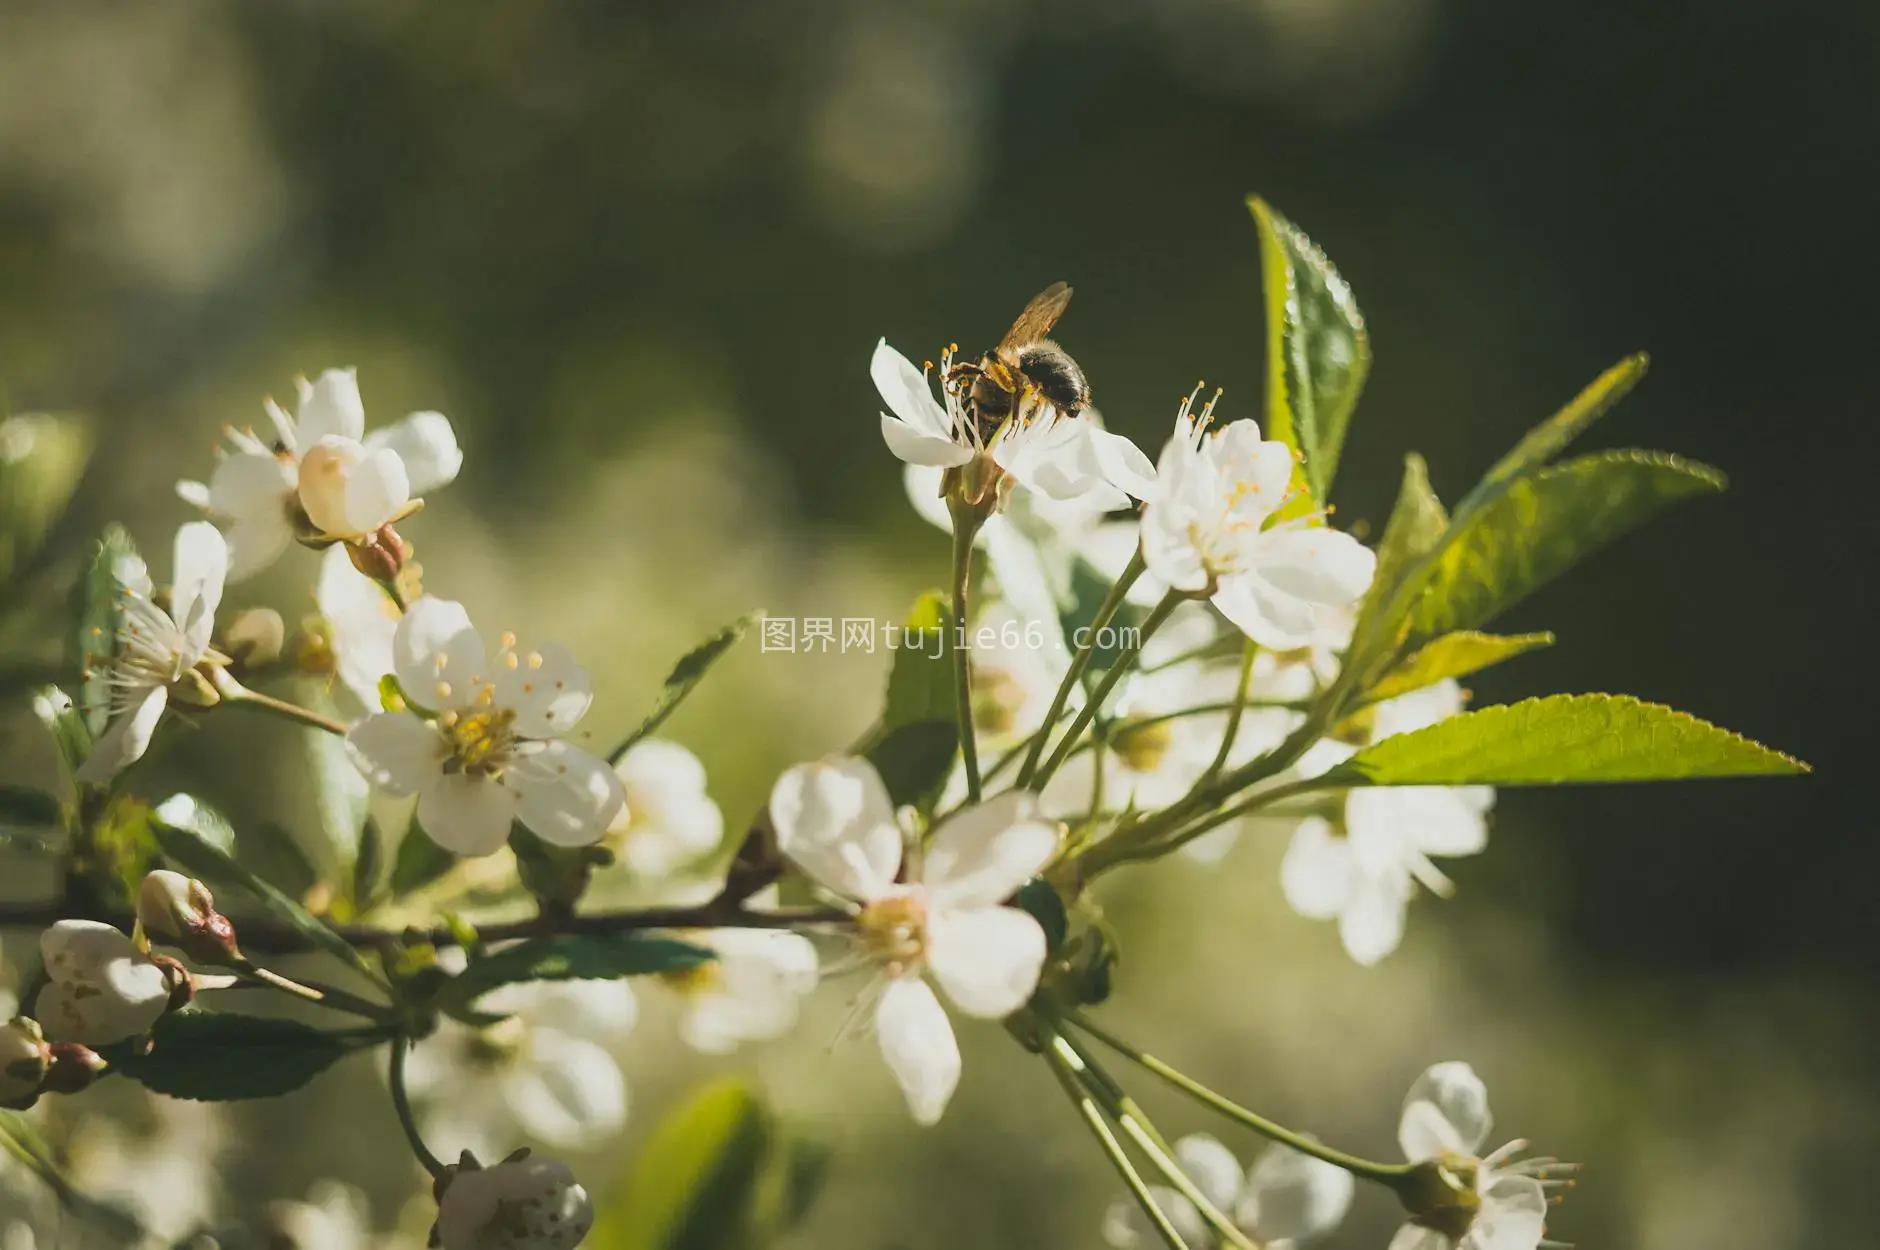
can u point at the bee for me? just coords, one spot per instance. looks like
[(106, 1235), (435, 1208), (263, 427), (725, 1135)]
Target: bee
[(1024, 369)]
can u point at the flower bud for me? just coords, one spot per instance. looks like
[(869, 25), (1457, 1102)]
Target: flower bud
[(101, 987), (348, 490), (24, 1060), (381, 555), (179, 911), (255, 637), (527, 1203), (74, 1067)]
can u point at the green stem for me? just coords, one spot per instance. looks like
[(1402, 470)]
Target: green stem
[(1113, 1150), (254, 974), (1387, 1174), (1112, 602), (1137, 1128), (242, 696), (401, 1103), (392, 592), (1247, 654), (1123, 851), (1124, 662), (966, 523)]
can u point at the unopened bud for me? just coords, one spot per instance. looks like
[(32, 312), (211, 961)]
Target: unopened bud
[(255, 637), (179, 911), (74, 1067), (24, 1060), (381, 554)]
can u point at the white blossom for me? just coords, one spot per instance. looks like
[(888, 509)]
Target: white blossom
[(530, 1203), (333, 1217), (481, 744), (1062, 456), (835, 822), (361, 622), (546, 1072), (753, 991), (1210, 528), (669, 820), (157, 648), (1363, 869), (322, 474), (1286, 1197), (1446, 1120), (100, 988)]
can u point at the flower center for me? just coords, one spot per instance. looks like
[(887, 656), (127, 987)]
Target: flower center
[(1144, 745), (479, 741), (894, 931)]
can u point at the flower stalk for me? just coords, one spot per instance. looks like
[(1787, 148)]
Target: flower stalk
[(966, 522), (1106, 612)]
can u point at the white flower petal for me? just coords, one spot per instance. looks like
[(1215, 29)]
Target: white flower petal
[(364, 621), (196, 588), (545, 688), (1167, 550), (1317, 874), (835, 821), (919, 447), (1126, 1226), (1513, 1215), (564, 795), (1446, 1109), (396, 751), (435, 645), (1371, 925), (329, 406), (252, 485), (466, 814), (1212, 1167), (1123, 464), (1319, 565), (427, 445), (1417, 1237), (1436, 820), (917, 1043), (255, 542), (979, 856), (125, 739), (1265, 614), (1291, 1196), (907, 393), (569, 1092), (377, 490), (987, 959)]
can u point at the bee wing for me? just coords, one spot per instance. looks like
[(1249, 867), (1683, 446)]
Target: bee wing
[(1037, 319)]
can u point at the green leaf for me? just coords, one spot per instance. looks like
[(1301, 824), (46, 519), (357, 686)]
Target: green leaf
[(114, 565), (1560, 739), (1317, 351), (686, 675), (1455, 655), (196, 837), (1417, 524), (717, 1172), (214, 1057), (22, 807), (1543, 525), (914, 760), (42, 457), (920, 682), (419, 861), (1041, 900), (1550, 437), (571, 957)]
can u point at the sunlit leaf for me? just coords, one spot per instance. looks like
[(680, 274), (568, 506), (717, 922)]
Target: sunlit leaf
[(685, 676), (1543, 525), (1317, 350), (1455, 655), (1561, 739), (1551, 437), (99, 613)]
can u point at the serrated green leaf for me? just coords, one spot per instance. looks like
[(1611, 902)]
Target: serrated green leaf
[(99, 613), (1455, 655), (1317, 350), (705, 1179), (215, 1057), (574, 957), (685, 676), (198, 839), (1561, 739), (1543, 525), (1548, 439), (42, 457)]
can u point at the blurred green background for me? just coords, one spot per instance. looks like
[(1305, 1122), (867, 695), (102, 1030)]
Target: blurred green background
[(640, 253)]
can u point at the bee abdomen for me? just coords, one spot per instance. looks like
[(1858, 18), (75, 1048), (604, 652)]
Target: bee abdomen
[(1058, 378)]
